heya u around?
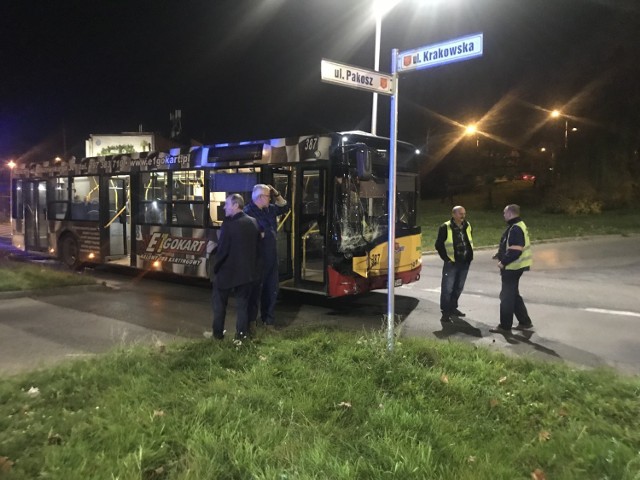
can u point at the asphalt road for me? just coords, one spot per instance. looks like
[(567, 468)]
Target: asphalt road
[(582, 296)]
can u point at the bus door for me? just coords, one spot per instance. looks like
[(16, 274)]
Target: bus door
[(117, 228), (310, 221), (35, 215), (281, 181)]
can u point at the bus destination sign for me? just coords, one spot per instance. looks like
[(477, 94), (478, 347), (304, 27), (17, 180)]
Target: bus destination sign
[(455, 50), (356, 77)]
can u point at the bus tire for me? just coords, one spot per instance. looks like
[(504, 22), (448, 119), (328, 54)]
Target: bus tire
[(69, 251)]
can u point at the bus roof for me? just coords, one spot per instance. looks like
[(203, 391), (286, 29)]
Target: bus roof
[(255, 152)]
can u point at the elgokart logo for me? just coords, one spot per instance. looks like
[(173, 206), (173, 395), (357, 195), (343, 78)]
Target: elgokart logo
[(165, 243)]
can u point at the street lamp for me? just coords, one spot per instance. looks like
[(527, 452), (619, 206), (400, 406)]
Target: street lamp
[(11, 164), (556, 114), (472, 129), (380, 9)]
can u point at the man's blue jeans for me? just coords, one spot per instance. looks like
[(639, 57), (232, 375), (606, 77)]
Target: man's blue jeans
[(454, 274)]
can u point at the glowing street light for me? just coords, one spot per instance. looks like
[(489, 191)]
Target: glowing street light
[(472, 129), (380, 9), (557, 114), (11, 164)]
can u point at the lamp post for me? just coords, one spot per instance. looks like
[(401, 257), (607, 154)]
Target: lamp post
[(472, 129), (380, 9), (11, 164), (556, 114)]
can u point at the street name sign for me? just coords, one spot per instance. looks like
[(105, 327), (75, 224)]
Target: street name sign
[(356, 77), (455, 50)]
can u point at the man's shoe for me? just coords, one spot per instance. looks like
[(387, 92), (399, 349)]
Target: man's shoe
[(500, 329), (218, 336), (458, 313), (446, 318), (524, 326)]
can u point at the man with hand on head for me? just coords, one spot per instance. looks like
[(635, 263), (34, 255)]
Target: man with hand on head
[(266, 214)]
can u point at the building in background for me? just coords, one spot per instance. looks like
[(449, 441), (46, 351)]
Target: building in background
[(100, 145)]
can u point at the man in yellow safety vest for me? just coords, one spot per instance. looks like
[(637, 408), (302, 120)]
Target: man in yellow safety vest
[(514, 258), (455, 246)]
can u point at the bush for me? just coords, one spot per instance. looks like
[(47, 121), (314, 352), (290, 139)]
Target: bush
[(576, 198), (619, 195)]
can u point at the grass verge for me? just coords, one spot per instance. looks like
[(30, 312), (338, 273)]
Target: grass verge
[(488, 224), (318, 404), (16, 276)]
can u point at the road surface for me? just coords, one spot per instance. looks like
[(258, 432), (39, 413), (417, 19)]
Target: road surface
[(583, 297)]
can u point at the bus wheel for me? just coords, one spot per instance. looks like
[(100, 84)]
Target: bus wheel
[(69, 251)]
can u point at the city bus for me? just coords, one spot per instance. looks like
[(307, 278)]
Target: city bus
[(159, 210)]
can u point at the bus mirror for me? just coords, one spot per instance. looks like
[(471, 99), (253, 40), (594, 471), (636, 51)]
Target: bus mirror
[(363, 162)]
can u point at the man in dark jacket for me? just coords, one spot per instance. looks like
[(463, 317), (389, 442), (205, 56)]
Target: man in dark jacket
[(455, 246), (266, 213), (236, 266), (514, 258)]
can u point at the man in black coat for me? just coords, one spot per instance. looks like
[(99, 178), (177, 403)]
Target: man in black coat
[(236, 266)]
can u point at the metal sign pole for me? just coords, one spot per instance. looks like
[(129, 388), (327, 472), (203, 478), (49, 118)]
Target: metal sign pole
[(428, 56), (391, 266), (376, 67)]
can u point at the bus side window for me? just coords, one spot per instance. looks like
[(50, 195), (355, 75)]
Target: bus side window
[(78, 209), (154, 212), (93, 210), (198, 211), (58, 210), (184, 215)]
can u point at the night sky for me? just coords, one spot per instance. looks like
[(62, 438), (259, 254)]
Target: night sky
[(242, 70)]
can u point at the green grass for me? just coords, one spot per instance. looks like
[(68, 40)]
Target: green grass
[(15, 276), (488, 224), (317, 405)]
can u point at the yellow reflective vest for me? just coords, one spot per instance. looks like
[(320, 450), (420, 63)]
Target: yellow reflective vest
[(526, 257), (448, 243)]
